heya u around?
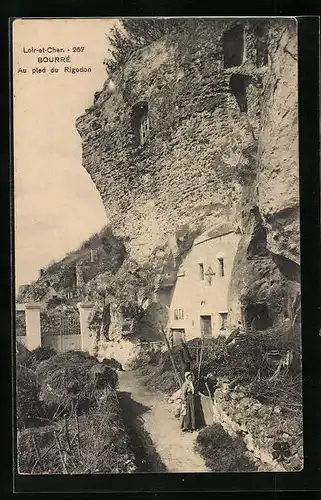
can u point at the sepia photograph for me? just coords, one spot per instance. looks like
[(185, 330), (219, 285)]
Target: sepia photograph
[(157, 245)]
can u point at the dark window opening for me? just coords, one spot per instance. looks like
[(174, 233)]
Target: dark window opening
[(257, 246), (256, 317), (178, 336), (261, 46), (178, 314), (261, 53), (223, 318), (233, 46), (238, 89), (140, 123), (221, 267), (289, 268), (201, 269)]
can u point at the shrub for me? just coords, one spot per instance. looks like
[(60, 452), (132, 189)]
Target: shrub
[(135, 34), (29, 407), (221, 452), (284, 391), (249, 361), (37, 355), (73, 379)]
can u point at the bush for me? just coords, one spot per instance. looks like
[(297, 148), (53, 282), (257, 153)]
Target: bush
[(29, 407), (73, 379), (103, 445), (249, 361), (38, 355), (221, 452), (284, 391)]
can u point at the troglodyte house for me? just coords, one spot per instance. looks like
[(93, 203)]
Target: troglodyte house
[(199, 304), (195, 131)]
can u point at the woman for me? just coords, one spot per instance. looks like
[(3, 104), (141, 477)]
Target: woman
[(188, 404)]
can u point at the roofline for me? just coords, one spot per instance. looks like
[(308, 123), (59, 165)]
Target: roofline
[(213, 237)]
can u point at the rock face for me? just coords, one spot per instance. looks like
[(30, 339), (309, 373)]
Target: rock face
[(222, 148)]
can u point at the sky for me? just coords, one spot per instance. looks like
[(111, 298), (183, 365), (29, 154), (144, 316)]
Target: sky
[(56, 204)]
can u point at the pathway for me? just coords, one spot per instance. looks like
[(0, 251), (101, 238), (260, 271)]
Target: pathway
[(176, 449)]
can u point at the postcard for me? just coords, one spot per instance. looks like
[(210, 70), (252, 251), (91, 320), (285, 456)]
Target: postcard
[(157, 245)]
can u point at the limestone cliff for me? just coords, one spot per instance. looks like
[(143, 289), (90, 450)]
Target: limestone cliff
[(222, 148)]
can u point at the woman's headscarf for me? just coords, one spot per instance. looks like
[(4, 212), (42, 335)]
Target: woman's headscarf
[(189, 382)]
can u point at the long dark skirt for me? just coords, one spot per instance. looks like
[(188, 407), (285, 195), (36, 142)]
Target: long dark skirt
[(188, 421)]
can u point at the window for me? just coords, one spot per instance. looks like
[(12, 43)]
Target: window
[(221, 267), (93, 255), (223, 318), (257, 316), (206, 326), (261, 46), (178, 314), (144, 129), (201, 270), (140, 123), (238, 89), (233, 46), (178, 336)]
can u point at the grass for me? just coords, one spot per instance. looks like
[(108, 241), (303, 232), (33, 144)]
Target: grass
[(221, 452)]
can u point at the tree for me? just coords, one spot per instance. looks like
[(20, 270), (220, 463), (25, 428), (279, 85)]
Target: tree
[(134, 34)]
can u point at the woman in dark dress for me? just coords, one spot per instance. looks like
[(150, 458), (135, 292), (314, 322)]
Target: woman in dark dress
[(188, 420)]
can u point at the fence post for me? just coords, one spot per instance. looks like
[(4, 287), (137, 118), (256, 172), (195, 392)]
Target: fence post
[(86, 335), (33, 329)]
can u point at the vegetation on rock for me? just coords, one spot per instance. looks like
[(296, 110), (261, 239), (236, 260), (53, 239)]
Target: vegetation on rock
[(221, 452), (134, 34)]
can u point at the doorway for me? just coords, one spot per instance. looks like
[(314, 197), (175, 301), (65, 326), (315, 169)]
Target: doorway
[(206, 326), (178, 336)]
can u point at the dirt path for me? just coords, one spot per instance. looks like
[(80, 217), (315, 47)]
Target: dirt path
[(174, 448)]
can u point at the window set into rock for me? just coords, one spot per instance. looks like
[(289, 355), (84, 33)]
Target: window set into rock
[(233, 46), (221, 267), (201, 271), (238, 85), (140, 122)]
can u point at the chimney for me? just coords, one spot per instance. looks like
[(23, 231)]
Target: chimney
[(93, 255)]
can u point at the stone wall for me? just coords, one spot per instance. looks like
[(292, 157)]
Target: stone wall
[(271, 436)]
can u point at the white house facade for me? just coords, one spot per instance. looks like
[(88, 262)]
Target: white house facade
[(199, 301)]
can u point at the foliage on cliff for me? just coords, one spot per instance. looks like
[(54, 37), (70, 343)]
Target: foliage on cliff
[(134, 34), (62, 275)]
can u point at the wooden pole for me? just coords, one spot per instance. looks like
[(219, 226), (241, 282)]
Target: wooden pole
[(64, 468), (37, 451), (42, 457), (67, 432), (200, 361), (208, 390), (179, 379), (78, 435)]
